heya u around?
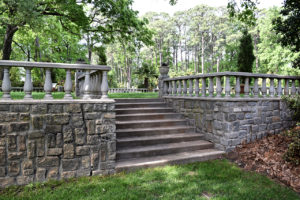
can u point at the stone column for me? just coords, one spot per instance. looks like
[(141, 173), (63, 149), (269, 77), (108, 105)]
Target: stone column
[(227, 87), (203, 89), (211, 87), (219, 86), (237, 87), (28, 87), (246, 87), (104, 85), (197, 90), (271, 90), (174, 88), (68, 85), (286, 87), (191, 87), (163, 70), (293, 90), (264, 87), (6, 84), (179, 90), (279, 88), (87, 85), (255, 89), (184, 88), (48, 85)]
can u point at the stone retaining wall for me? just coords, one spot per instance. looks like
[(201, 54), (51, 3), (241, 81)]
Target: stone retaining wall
[(229, 122), (55, 139)]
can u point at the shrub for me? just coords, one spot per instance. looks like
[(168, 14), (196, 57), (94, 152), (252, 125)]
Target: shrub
[(293, 152)]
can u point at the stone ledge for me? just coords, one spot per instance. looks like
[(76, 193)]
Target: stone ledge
[(56, 101), (224, 99)]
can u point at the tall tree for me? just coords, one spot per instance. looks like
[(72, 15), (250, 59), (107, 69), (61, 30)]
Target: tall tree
[(245, 56), (288, 25)]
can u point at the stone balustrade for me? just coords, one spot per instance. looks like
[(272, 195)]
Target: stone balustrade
[(219, 85), (88, 86), (127, 90)]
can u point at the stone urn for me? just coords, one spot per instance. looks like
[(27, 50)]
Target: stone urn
[(164, 70)]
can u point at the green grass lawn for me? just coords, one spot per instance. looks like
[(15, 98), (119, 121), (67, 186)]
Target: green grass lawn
[(217, 179), (60, 95)]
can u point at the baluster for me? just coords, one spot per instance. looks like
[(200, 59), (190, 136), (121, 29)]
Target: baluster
[(279, 88), (87, 85), (179, 90), (170, 88), (264, 87), (211, 87), (184, 88), (191, 87), (28, 87), (165, 88), (203, 89), (286, 87), (255, 88), (104, 85), (197, 90), (227, 87), (6, 85), (246, 87), (68, 85), (293, 90), (237, 87), (174, 88), (219, 86), (48, 85), (271, 91)]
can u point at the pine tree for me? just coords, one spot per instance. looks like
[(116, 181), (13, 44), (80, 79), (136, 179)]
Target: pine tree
[(245, 55)]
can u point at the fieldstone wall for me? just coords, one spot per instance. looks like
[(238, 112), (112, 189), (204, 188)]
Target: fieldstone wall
[(229, 122), (42, 140)]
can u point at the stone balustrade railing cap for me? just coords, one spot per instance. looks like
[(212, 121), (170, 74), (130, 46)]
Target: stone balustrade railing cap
[(10, 63)]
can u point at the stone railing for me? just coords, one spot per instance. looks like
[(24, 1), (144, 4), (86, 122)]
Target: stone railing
[(193, 86), (127, 90), (87, 86)]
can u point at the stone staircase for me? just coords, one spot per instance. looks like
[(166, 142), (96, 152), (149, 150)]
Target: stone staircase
[(151, 134)]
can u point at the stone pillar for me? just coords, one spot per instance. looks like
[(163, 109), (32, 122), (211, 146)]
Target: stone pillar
[(104, 85), (174, 88), (87, 85), (197, 90), (246, 87), (203, 89), (237, 87), (6, 85), (48, 85), (264, 87), (179, 90), (28, 87), (163, 70), (227, 86), (68, 85), (191, 90), (293, 90), (271, 90), (211, 87), (219, 86)]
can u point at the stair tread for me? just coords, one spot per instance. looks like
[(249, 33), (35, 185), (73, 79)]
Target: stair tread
[(164, 159), (149, 121), (141, 103), (165, 146), (144, 108), (158, 137), (153, 129), (145, 114)]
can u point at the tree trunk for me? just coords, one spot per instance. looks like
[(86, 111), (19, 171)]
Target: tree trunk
[(10, 31)]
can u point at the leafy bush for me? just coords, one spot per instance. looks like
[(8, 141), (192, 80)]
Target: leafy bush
[(293, 153)]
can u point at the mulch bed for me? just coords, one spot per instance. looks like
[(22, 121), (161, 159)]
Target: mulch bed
[(266, 156)]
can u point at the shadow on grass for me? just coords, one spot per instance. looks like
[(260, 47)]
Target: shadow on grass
[(217, 179)]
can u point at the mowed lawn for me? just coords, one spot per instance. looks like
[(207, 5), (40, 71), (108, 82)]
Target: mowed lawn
[(60, 95), (217, 179)]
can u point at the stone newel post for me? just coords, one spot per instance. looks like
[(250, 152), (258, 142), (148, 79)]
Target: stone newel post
[(163, 70)]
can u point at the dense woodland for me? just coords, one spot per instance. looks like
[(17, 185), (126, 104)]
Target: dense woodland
[(202, 39)]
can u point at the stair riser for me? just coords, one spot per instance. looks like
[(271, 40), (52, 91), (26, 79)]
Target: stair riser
[(172, 162), (148, 117), (138, 100), (151, 124), (157, 152), (129, 144), (147, 105), (121, 112), (153, 132)]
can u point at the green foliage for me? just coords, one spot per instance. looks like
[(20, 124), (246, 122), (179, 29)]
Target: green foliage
[(218, 179), (15, 77), (293, 152), (288, 26), (245, 55), (148, 74)]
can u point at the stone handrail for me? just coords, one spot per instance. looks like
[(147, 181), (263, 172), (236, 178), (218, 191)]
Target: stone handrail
[(28, 87), (190, 85), (127, 90)]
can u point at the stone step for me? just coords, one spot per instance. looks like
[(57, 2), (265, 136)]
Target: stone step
[(143, 110), (135, 132), (128, 142), (176, 158), (136, 100), (150, 123), (145, 116), (140, 105), (155, 150)]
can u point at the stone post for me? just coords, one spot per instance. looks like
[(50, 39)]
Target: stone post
[(197, 90), (191, 87), (68, 85), (203, 89), (48, 85), (104, 85), (163, 70), (179, 90), (87, 85), (237, 87), (293, 90), (6, 85), (219, 87), (271, 91), (28, 87)]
